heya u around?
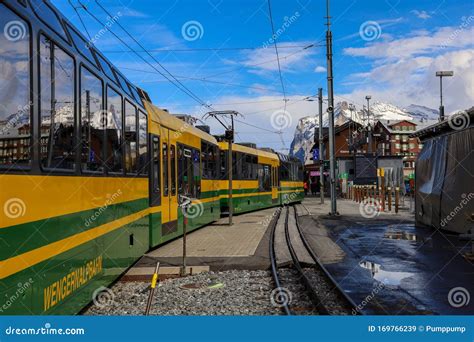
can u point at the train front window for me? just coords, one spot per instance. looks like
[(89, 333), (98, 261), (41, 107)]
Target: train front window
[(114, 139), (15, 125), (56, 106), (93, 122)]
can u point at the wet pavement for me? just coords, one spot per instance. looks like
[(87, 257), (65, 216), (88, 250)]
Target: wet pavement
[(393, 267)]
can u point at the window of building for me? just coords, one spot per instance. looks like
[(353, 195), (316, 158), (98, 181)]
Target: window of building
[(397, 146), (142, 143), (15, 124), (93, 122), (57, 105), (114, 138), (131, 165)]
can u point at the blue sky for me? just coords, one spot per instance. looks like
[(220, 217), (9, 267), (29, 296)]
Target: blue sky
[(394, 59)]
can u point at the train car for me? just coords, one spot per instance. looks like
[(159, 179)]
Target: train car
[(261, 178), (290, 188), (183, 163), (89, 169), (254, 178)]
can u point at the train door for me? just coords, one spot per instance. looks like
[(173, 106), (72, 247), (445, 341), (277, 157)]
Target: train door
[(155, 189), (274, 185), (173, 198), (169, 200)]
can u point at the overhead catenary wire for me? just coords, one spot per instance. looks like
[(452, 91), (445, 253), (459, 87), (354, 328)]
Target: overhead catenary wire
[(152, 57), (176, 84)]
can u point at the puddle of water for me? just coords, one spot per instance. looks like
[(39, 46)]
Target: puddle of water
[(385, 277), (401, 235)]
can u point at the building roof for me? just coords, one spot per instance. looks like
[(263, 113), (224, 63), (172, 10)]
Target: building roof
[(456, 122)]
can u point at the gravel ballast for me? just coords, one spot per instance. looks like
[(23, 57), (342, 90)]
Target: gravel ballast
[(214, 293)]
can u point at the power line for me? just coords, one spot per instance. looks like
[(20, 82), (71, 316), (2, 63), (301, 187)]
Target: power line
[(278, 61), (276, 48), (180, 87), (149, 54), (197, 79), (80, 18), (210, 49)]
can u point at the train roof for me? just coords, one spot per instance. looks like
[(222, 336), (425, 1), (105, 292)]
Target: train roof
[(249, 150), (167, 120), (287, 158)]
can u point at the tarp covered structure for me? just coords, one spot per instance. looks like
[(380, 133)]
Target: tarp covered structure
[(445, 175)]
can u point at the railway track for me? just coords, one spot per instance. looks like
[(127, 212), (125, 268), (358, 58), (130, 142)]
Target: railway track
[(294, 265)]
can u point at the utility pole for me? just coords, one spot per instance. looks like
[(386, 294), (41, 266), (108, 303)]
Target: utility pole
[(442, 74), (369, 128), (229, 137), (321, 149), (332, 161)]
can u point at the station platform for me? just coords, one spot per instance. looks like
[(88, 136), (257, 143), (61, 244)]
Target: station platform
[(220, 247)]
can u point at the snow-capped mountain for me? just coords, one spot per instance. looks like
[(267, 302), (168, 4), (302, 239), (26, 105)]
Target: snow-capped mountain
[(422, 113), (304, 134)]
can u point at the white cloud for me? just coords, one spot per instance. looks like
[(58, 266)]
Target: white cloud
[(444, 37), (320, 68), (421, 14), (413, 81)]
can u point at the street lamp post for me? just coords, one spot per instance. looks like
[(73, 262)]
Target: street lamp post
[(369, 150), (442, 74)]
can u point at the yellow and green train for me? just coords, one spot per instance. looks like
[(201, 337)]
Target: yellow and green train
[(91, 170)]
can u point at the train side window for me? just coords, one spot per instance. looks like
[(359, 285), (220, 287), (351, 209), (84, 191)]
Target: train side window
[(173, 169), (93, 122), (83, 46), (47, 15), (56, 106), (223, 164), (131, 165), (123, 83), (15, 122), (165, 169), (235, 165), (114, 138), (142, 143), (156, 166), (209, 160), (106, 68)]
